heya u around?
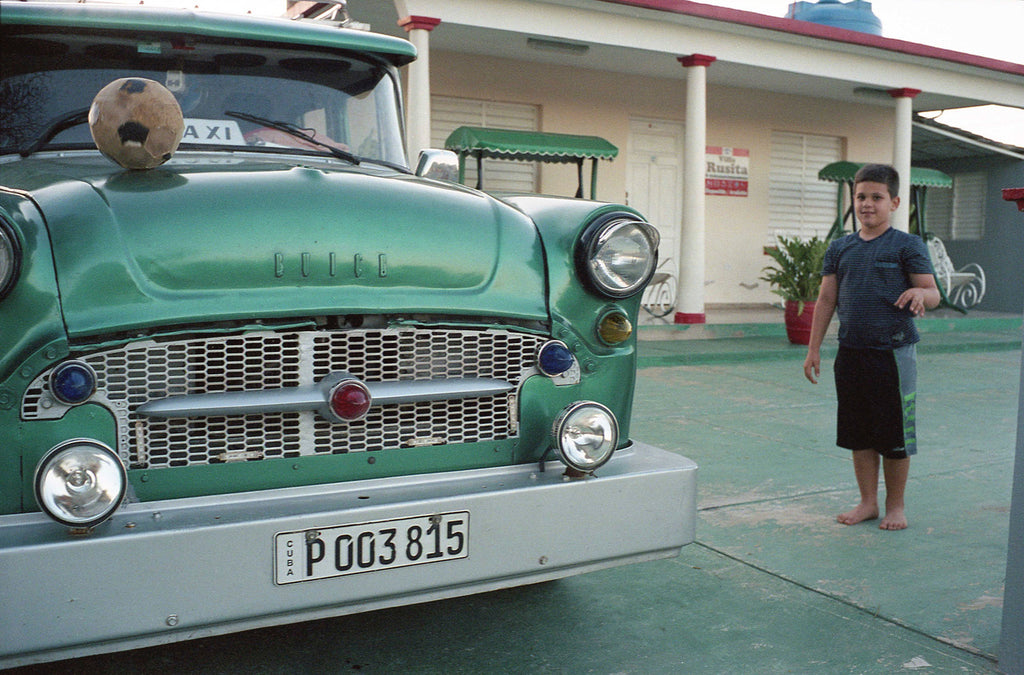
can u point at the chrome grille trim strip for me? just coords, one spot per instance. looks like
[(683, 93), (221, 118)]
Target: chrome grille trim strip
[(315, 398)]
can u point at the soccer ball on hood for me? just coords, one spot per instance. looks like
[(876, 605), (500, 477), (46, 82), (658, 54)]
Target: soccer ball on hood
[(136, 122)]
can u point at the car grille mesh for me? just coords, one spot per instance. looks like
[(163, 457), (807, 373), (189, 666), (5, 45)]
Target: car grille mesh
[(136, 373)]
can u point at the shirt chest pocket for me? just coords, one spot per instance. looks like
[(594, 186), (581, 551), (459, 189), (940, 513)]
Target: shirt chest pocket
[(890, 275)]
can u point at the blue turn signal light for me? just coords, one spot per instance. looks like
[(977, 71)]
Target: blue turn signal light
[(554, 358), (73, 382)]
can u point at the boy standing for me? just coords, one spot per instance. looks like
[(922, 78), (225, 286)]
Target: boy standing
[(878, 279)]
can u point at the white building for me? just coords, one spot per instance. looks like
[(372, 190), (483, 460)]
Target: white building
[(668, 80)]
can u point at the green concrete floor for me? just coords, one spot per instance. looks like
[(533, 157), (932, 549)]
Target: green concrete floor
[(773, 584), (771, 480)]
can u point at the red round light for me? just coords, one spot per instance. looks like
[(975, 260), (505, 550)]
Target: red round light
[(350, 400)]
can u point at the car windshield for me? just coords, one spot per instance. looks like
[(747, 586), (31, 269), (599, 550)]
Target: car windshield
[(339, 100)]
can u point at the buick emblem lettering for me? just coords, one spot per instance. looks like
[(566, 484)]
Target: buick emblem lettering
[(307, 264)]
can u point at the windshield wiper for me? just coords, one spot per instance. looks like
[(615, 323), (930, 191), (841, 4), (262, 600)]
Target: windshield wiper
[(295, 131), (56, 125)]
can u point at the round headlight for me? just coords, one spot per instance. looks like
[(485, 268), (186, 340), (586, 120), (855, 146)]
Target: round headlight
[(586, 434), (619, 255), (80, 482), (10, 258)]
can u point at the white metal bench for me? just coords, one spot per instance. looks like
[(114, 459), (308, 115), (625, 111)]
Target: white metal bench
[(659, 299), (964, 287)]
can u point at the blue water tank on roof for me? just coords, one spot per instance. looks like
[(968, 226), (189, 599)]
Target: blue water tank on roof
[(853, 15)]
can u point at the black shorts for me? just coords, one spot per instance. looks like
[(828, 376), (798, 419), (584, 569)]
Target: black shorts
[(877, 392)]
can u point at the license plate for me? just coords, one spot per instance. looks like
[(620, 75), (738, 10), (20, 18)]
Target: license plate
[(306, 555)]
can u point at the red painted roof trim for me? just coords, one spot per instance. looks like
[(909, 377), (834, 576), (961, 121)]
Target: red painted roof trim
[(808, 29)]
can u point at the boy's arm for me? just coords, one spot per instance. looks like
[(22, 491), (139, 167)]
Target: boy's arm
[(824, 308), (923, 294)]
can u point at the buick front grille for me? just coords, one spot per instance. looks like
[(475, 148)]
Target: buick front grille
[(140, 372)]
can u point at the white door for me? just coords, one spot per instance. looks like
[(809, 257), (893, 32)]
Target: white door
[(654, 182)]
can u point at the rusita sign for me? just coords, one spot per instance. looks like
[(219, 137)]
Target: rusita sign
[(727, 171)]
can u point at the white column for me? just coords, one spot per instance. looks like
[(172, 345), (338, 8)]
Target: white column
[(690, 295), (417, 115), (901, 151)]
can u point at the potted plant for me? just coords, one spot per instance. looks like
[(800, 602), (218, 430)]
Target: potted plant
[(796, 276)]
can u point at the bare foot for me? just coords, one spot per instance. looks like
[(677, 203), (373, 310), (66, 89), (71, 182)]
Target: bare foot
[(858, 514), (894, 520)]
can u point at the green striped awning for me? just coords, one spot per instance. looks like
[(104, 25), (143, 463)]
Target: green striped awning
[(843, 172), (534, 146)]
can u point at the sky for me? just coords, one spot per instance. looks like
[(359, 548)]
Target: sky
[(991, 28), (982, 27)]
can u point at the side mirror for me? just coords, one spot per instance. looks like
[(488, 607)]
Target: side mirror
[(438, 165)]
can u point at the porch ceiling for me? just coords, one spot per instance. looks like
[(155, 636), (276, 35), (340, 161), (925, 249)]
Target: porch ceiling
[(456, 37)]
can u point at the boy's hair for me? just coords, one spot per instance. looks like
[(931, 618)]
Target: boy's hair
[(879, 173)]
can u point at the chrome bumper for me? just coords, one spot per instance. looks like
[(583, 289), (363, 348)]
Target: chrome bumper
[(175, 570)]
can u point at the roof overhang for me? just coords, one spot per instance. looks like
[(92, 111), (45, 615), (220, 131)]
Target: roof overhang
[(933, 141), (756, 51)]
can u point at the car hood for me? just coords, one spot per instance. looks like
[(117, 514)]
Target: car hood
[(207, 239)]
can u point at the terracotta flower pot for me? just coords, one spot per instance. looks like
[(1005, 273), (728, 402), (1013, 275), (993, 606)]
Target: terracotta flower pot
[(798, 324)]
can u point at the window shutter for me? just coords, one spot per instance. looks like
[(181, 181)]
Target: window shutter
[(800, 205), (938, 214), (969, 206), (448, 114), (958, 214)]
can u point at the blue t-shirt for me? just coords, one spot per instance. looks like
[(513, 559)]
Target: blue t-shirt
[(871, 275)]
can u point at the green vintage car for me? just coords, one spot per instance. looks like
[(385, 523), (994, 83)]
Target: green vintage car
[(281, 376)]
